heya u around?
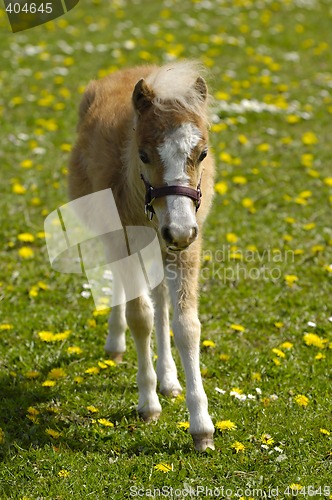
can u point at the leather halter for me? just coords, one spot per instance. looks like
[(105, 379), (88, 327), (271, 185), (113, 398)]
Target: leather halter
[(152, 193)]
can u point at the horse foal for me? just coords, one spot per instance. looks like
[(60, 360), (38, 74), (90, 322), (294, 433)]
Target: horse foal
[(143, 132)]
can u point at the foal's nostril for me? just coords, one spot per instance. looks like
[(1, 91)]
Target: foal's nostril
[(194, 232), (166, 234), (178, 236)]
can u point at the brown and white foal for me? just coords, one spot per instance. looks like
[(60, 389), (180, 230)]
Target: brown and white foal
[(143, 132)]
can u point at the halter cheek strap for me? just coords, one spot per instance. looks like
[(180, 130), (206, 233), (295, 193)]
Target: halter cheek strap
[(152, 193)]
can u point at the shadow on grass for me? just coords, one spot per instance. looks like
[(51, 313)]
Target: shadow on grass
[(33, 418)]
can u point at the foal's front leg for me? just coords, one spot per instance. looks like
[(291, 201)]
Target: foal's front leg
[(139, 314), (166, 369), (183, 279)]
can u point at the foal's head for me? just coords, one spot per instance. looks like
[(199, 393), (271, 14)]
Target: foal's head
[(172, 142)]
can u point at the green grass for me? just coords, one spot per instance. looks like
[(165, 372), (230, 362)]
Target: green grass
[(278, 53)]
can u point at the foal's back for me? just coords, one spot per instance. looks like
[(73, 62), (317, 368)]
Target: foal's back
[(105, 121)]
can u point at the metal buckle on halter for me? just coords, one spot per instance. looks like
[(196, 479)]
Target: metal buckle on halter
[(149, 210)]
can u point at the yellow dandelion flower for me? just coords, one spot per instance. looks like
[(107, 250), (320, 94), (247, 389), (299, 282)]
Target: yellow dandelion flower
[(231, 238), (26, 163), (224, 357), (225, 157), (101, 312), (63, 473), (46, 336), (102, 365), (49, 383), (91, 323), (239, 179), (328, 181), (237, 390), (276, 361), (6, 326), (78, 379), (57, 373), (286, 345), (221, 187), (61, 336), (163, 467), (293, 119), (256, 376), (42, 285), (295, 486), (183, 425), (222, 96), (18, 188), (26, 237), (309, 226), (325, 431), (267, 439), (278, 324), (105, 422), (225, 425), (242, 139), (110, 362), (301, 400), (33, 411), (315, 340), (309, 138), (320, 356), (247, 203), (94, 370), (208, 343), (290, 279), (66, 147), (26, 252), (74, 350), (317, 248), (305, 194), (237, 328), (238, 447), (33, 292), (264, 147), (92, 409), (278, 352), (53, 433)]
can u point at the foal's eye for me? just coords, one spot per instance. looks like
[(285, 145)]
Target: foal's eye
[(143, 156), (203, 155)]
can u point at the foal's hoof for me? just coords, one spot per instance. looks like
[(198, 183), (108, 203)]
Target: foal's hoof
[(115, 356), (203, 441), (149, 416), (170, 392)]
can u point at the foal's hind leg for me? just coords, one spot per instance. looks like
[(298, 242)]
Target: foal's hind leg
[(187, 328), (139, 314), (166, 369), (115, 344)]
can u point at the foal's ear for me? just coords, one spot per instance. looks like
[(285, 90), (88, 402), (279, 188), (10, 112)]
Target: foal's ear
[(142, 96), (201, 88)]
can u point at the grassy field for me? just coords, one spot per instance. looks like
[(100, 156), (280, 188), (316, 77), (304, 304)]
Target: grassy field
[(68, 424)]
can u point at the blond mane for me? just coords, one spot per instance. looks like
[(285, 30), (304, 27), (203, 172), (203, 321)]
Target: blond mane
[(174, 87)]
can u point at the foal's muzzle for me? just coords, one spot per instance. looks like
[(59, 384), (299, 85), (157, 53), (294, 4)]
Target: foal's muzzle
[(178, 238)]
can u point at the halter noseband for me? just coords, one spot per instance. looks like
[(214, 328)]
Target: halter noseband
[(152, 193)]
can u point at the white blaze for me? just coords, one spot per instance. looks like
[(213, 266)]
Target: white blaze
[(175, 150)]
